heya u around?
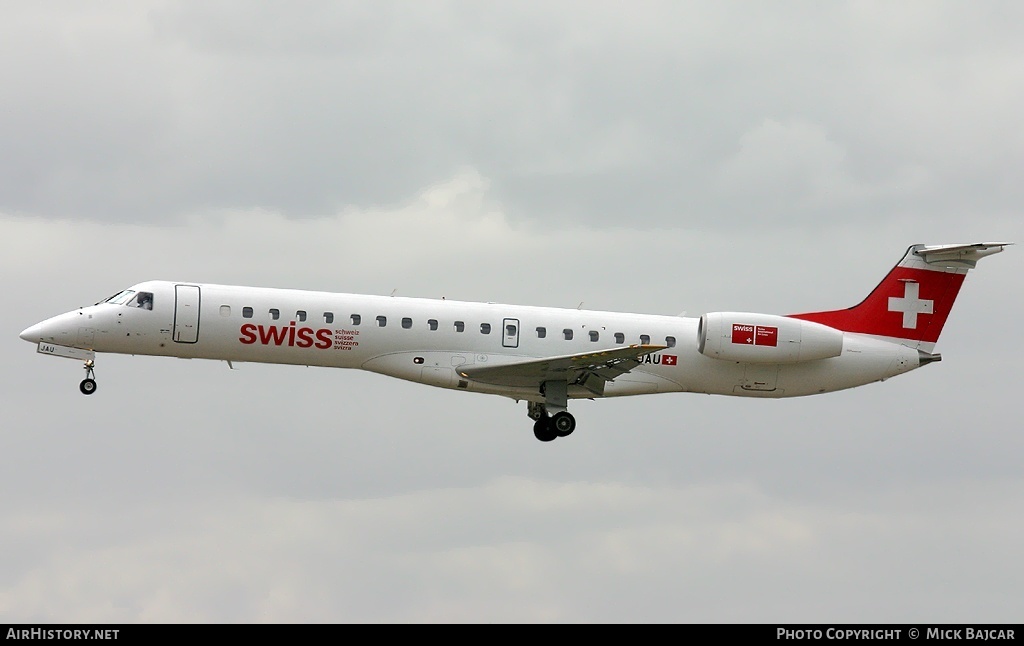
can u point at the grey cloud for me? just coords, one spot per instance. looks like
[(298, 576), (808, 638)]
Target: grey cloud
[(589, 116), (590, 553)]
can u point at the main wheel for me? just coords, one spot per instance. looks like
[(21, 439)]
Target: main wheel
[(563, 423), (543, 430), (88, 386)]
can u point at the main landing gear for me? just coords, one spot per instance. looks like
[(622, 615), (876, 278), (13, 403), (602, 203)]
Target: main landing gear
[(548, 427), (88, 385)]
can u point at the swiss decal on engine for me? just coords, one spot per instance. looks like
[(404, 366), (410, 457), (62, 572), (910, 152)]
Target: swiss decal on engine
[(766, 338)]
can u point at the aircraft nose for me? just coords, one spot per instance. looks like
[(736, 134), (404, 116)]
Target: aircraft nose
[(31, 334)]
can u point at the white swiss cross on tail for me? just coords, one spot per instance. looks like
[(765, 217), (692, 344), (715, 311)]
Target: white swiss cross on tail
[(911, 304)]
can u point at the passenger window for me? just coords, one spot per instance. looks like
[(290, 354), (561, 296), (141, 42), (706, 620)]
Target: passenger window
[(670, 341), (645, 339), (382, 321), (300, 316), (144, 300), (460, 326), (542, 332), (567, 333), (247, 312), (485, 328), (594, 336), (328, 317), (225, 310), (406, 323), (275, 313), (432, 324), (510, 330), (356, 319), (620, 338)]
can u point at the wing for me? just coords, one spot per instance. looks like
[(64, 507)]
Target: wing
[(592, 370)]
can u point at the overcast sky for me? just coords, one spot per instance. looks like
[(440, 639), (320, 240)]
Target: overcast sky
[(655, 157)]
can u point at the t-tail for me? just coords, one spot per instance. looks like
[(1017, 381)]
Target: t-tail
[(913, 301)]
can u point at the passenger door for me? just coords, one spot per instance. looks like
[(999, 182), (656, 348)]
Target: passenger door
[(186, 313)]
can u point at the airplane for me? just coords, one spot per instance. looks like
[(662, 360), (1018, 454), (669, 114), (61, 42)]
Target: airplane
[(541, 355)]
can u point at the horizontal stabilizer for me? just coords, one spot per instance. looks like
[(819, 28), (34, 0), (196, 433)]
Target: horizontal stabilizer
[(959, 255)]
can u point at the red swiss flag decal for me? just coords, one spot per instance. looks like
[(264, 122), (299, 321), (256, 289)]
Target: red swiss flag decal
[(743, 334), (669, 360)]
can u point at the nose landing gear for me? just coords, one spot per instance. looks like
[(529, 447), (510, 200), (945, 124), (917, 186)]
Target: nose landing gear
[(88, 385)]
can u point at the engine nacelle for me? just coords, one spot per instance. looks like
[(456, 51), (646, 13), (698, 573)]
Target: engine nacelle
[(765, 338)]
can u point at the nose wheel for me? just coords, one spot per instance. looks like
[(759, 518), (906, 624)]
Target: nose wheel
[(88, 385)]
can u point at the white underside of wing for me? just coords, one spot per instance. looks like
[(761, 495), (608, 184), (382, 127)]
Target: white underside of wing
[(591, 369)]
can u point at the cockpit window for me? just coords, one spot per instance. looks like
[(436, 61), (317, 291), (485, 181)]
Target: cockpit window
[(120, 298), (131, 298)]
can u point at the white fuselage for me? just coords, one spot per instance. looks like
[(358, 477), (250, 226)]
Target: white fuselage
[(421, 340)]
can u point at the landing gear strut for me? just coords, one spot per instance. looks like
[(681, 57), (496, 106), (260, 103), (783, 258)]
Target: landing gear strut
[(548, 427), (88, 385)]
